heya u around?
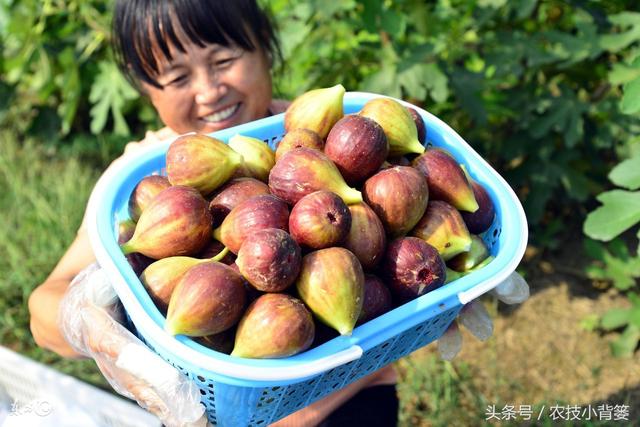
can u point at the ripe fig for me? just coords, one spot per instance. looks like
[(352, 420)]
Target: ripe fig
[(443, 228), (399, 197), (176, 222), (274, 326), (201, 162), (208, 299), (256, 213), (412, 267), (399, 161), (269, 259), (446, 179), (465, 261), (138, 262), (397, 123), (366, 238), (319, 220), (304, 170), (419, 122), (377, 299), (258, 157), (148, 188), (221, 342), (299, 138), (480, 220), (331, 284), (231, 194), (358, 147), (317, 110), (214, 249)]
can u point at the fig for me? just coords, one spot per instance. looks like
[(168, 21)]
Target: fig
[(366, 238), (420, 126), (446, 179), (176, 222), (274, 326), (399, 197), (221, 342), (319, 220), (138, 262), (231, 194), (304, 170), (317, 110), (148, 188), (453, 275), (269, 259), (443, 228), (399, 161), (377, 299), (208, 299), (258, 157), (299, 138), (201, 162), (465, 261), (397, 124), (412, 267), (480, 220), (331, 284), (358, 147), (256, 213)]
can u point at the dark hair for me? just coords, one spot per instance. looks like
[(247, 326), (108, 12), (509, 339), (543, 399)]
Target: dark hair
[(138, 24)]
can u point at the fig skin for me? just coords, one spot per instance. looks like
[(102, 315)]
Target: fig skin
[(176, 222), (255, 213), (465, 261), (258, 157), (148, 188), (412, 267), (232, 194), (367, 238), (317, 109), (377, 299), (319, 220), (399, 196), (209, 299), (221, 342), (274, 326), (138, 262), (479, 221), (214, 248), (358, 146), (420, 126), (270, 260), (299, 138)]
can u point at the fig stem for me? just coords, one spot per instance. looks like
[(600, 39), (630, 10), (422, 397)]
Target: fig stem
[(127, 248), (221, 254), (217, 234), (416, 147), (351, 196)]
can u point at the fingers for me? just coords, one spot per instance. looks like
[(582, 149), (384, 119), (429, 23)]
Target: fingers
[(475, 318), (450, 343), (514, 290)]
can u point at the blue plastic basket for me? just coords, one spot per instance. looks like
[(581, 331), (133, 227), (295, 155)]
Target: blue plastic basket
[(247, 392)]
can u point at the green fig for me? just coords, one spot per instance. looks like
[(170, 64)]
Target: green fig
[(331, 284), (477, 253), (443, 228), (317, 110), (258, 157), (201, 162), (397, 123), (274, 326)]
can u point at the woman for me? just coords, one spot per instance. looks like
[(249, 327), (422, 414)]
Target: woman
[(205, 66)]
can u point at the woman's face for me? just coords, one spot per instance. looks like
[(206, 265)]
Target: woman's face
[(209, 88)]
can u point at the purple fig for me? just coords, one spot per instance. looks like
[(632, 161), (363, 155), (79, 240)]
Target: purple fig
[(208, 299), (176, 222), (331, 284), (446, 179), (233, 193), (319, 220), (148, 188), (366, 238), (255, 213), (304, 170), (399, 161), (274, 326), (412, 268), (480, 220), (377, 299), (214, 249), (465, 261), (270, 260), (399, 197), (221, 342), (358, 147), (420, 127), (317, 109), (299, 138), (443, 228), (138, 262)]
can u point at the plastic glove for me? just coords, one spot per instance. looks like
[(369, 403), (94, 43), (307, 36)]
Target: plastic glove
[(90, 319), (474, 317)]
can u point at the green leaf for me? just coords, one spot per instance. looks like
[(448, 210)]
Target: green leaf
[(495, 4), (627, 174), (630, 21), (109, 93), (412, 81), (393, 23), (623, 73), (615, 318), (626, 344), (630, 103), (620, 210)]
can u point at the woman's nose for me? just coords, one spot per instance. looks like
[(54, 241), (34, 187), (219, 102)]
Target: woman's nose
[(207, 88)]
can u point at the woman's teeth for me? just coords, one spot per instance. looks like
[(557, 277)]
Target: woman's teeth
[(221, 115)]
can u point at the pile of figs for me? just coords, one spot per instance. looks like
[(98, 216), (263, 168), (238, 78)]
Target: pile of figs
[(263, 254)]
